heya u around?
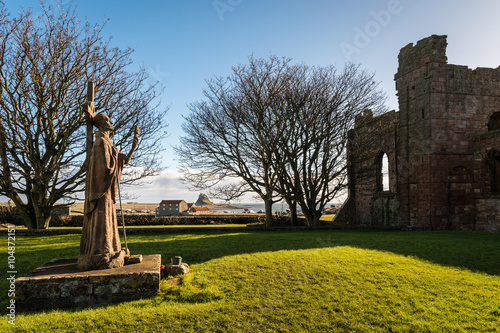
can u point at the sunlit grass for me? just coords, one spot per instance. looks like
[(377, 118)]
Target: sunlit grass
[(327, 217), (155, 226), (307, 281)]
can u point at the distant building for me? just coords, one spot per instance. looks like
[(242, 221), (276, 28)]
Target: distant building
[(171, 207), (198, 210)]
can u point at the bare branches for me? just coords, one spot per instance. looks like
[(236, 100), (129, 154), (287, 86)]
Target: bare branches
[(45, 64), (282, 128), (320, 109), (234, 131)]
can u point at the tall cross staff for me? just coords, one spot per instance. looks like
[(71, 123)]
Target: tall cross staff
[(89, 115), (88, 110)]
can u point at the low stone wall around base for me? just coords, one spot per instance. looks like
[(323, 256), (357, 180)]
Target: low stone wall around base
[(59, 284)]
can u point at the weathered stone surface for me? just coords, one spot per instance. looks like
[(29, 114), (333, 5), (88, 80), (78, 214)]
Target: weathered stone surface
[(134, 259), (59, 284), (443, 148), (173, 270), (488, 215), (385, 209)]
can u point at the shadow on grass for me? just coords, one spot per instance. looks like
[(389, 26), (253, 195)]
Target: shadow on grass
[(474, 251), (469, 250)]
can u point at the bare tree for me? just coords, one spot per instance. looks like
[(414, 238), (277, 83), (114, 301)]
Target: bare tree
[(320, 107), (235, 131), (45, 64), (281, 128)]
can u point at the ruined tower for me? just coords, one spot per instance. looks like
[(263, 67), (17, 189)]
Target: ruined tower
[(446, 136)]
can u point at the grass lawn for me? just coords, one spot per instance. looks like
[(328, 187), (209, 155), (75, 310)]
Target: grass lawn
[(155, 226), (294, 281)]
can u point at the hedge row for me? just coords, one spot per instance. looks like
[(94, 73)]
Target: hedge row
[(145, 220), (10, 215)]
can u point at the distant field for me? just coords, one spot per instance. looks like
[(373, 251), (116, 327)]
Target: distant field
[(77, 208), (134, 206)]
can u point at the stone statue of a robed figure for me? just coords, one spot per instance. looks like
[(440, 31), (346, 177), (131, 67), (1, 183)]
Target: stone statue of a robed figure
[(100, 246)]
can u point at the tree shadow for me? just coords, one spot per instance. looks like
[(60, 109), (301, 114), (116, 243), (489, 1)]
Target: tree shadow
[(474, 251), (468, 250)]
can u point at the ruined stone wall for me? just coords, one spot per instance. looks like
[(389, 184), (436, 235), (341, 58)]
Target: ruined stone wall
[(486, 173), (488, 215), (369, 140), (442, 109), (439, 142)]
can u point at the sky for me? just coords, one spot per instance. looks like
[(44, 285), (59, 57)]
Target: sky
[(184, 43)]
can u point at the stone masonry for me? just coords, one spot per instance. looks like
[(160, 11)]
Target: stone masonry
[(443, 148), (59, 284)]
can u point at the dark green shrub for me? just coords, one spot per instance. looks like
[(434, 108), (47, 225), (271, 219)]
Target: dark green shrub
[(9, 214), (146, 220)]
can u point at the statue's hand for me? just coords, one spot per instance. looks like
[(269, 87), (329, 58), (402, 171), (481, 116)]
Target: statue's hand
[(88, 108), (136, 135), (88, 111), (134, 144)]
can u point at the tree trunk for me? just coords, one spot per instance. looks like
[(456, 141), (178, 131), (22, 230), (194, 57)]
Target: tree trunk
[(42, 218), (294, 219), (269, 212), (312, 216), (28, 218), (35, 218), (293, 212), (38, 223), (316, 216)]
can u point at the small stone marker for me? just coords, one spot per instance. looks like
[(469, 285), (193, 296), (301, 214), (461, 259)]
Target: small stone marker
[(134, 259), (173, 270)]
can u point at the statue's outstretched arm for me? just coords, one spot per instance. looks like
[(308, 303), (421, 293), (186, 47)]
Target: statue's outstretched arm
[(134, 144)]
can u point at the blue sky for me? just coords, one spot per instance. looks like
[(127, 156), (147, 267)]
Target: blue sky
[(183, 43)]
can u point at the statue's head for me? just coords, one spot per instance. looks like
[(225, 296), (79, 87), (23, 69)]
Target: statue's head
[(102, 122)]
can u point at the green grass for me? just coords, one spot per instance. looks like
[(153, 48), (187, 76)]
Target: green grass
[(297, 281), (159, 226)]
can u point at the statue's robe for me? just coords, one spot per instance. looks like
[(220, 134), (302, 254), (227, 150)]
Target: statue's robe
[(100, 245)]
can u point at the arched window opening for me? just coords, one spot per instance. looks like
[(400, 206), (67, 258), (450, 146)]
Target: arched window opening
[(495, 181), (494, 122), (385, 173), (382, 166), (494, 163)]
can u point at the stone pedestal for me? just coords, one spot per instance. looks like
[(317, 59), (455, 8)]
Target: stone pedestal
[(59, 284)]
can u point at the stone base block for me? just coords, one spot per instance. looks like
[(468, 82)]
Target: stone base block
[(59, 284), (173, 270), (101, 260)]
